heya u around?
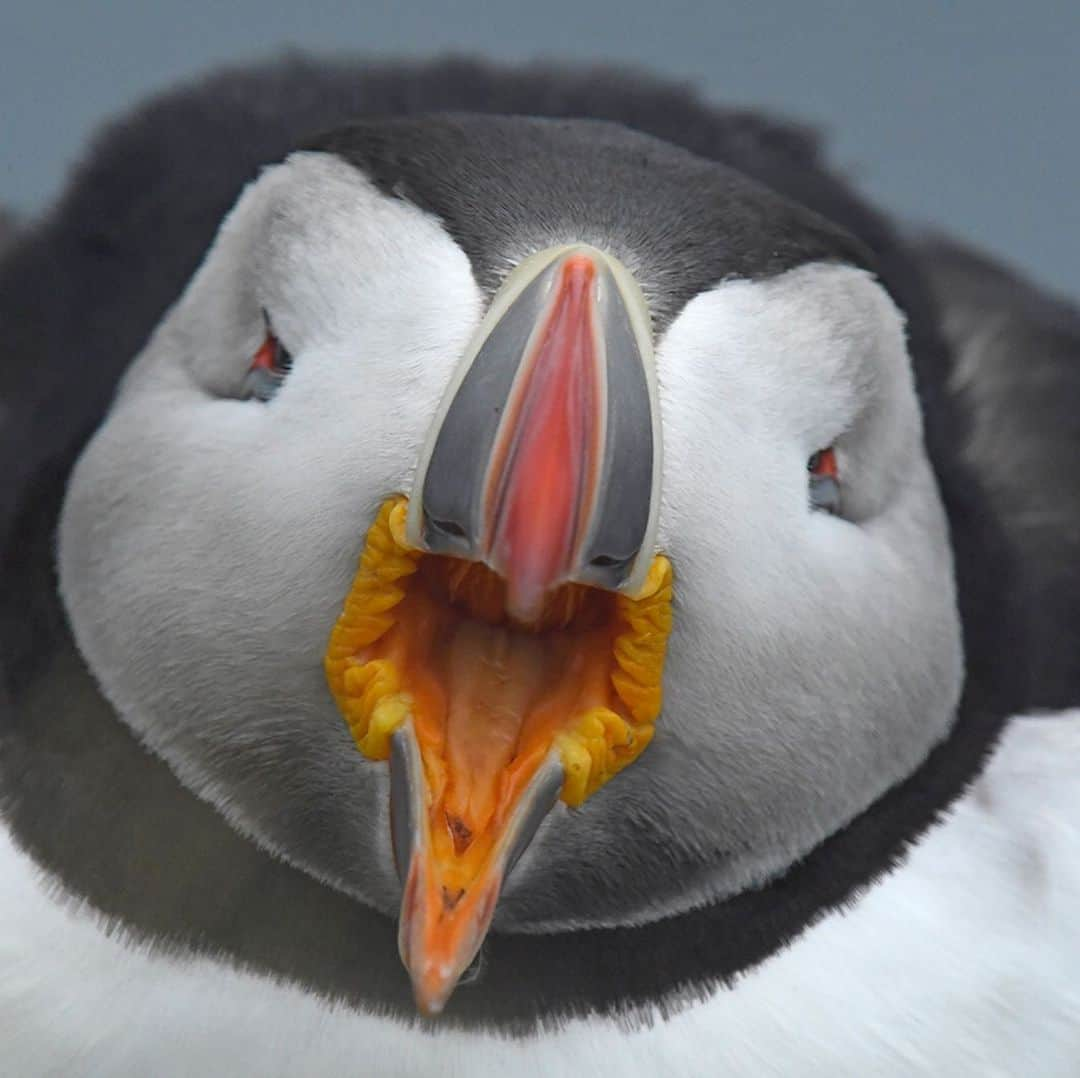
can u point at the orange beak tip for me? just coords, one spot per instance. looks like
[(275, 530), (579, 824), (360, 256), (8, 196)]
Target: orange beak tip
[(431, 990), (438, 948)]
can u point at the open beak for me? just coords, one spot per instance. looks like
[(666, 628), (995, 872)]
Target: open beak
[(504, 638)]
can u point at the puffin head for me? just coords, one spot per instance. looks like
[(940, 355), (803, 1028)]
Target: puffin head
[(510, 494)]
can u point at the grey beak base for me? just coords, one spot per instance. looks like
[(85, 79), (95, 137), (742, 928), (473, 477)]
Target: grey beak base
[(457, 469), (619, 529), (406, 797)]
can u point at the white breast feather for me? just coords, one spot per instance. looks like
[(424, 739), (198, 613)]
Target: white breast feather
[(963, 962)]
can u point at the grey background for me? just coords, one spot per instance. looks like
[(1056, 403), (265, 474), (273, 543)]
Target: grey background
[(961, 114)]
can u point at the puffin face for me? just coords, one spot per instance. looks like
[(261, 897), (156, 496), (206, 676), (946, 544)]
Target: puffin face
[(386, 478)]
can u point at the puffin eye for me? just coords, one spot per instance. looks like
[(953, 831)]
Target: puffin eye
[(824, 481), (269, 366)]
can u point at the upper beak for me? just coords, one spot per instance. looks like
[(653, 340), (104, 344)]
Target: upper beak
[(544, 462), (496, 687)]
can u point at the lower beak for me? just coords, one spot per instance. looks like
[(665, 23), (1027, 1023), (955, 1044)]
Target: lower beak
[(504, 639), (445, 912)]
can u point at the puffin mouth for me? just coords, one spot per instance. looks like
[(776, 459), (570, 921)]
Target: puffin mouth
[(503, 641), (486, 718)]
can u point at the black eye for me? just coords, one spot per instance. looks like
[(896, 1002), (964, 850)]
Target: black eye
[(269, 366), (824, 481)]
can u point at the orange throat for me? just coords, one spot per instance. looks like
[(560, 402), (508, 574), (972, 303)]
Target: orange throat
[(425, 640)]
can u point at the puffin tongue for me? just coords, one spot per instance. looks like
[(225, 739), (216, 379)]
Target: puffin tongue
[(495, 676)]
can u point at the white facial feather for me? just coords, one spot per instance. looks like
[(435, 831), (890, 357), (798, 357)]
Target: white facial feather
[(207, 543), (221, 534)]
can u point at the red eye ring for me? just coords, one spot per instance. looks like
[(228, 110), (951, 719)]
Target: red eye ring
[(823, 464), (271, 356), (269, 367), (824, 481), (265, 356)]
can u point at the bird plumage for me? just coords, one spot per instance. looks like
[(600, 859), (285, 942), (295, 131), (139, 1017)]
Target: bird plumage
[(79, 294)]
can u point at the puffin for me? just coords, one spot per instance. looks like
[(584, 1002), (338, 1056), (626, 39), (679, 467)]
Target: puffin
[(523, 568)]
